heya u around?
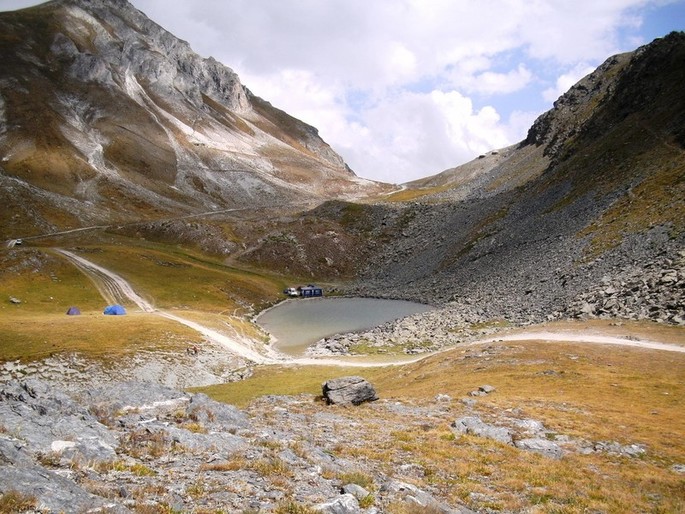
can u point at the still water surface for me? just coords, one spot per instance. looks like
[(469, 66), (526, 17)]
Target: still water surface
[(298, 323)]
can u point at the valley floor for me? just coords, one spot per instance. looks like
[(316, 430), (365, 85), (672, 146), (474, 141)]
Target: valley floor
[(569, 416)]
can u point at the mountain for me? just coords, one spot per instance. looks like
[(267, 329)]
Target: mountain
[(107, 117), (589, 201), (593, 199)]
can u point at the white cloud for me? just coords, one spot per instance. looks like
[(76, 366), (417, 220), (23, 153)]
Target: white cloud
[(402, 88), (492, 83), (431, 132)]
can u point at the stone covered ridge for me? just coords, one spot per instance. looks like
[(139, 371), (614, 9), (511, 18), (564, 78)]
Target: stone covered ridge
[(126, 41)]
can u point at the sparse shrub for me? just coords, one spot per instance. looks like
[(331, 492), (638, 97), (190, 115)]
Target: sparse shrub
[(142, 470), (14, 501), (328, 473), (272, 466), (270, 444), (412, 508), (145, 491), (155, 508), (105, 466), (49, 459), (229, 465), (141, 443), (103, 414), (359, 478), (196, 490), (99, 489), (195, 427), (298, 449), (367, 501)]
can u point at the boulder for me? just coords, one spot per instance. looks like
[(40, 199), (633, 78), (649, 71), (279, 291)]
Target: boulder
[(356, 490), (348, 390)]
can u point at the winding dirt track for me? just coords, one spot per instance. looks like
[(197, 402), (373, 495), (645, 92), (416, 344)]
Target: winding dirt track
[(115, 288), (111, 286)]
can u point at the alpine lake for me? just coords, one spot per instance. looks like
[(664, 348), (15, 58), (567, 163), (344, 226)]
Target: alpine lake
[(296, 324)]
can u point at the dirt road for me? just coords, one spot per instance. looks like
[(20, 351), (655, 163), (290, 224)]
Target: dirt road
[(111, 286)]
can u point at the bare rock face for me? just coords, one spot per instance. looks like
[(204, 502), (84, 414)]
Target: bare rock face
[(348, 391)]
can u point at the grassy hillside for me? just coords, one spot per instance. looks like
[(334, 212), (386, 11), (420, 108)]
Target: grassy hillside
[(38, 285)]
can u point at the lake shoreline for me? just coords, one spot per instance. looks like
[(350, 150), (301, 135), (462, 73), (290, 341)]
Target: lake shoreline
[(295, 324)]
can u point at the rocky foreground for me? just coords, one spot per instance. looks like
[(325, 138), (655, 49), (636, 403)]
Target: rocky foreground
[(141, 447), (134, 445)]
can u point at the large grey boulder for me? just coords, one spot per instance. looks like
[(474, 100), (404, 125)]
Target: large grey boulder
[(52, 492), (50, 422), (351, 390)]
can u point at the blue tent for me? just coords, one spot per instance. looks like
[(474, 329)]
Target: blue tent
[(114, 310), (73, 311)]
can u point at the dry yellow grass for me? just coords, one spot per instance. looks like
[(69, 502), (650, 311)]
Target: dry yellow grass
[(592, 393), (34, 336), (407, 195), (173, 279)]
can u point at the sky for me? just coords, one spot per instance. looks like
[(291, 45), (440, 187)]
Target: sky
[(404, 89)]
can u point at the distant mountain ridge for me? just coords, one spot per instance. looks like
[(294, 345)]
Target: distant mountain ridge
[(104, 115)]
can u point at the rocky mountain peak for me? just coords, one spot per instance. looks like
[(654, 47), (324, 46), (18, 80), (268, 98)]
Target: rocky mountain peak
[(130, 116), (575, 106), (121, 40)]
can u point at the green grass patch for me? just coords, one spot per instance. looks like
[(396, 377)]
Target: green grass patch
[(495, 323), (410, 194), (171, 279), (43, 283)]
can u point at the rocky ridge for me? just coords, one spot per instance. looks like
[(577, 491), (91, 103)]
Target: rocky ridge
[(593, 230)]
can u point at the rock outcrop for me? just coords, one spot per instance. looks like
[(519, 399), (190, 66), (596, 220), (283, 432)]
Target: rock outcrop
[(130, 446)]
